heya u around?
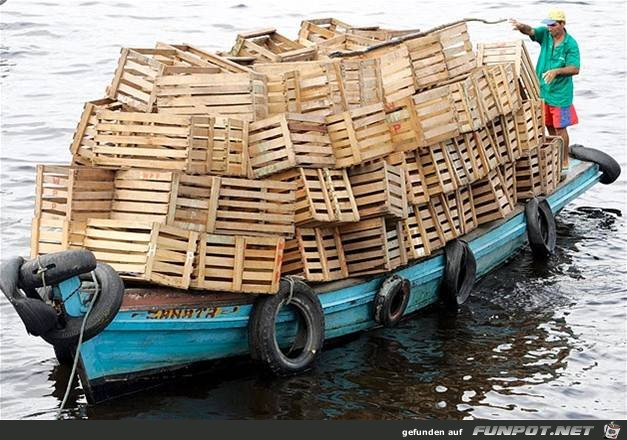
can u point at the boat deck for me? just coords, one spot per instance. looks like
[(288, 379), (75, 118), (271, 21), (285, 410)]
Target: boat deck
[(140, 296)]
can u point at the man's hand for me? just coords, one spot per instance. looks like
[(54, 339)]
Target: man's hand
[(521, 27), (549, 75), (515, 24)]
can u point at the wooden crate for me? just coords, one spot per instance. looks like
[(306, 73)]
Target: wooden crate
[(344, 43), (414, 179), (461, 160), (237, 95), (487, 149), (423, 231), (235, 206), (323, 196), (507, 175), (361, 82), (359, 135), (228, 155), (380, 190), (380, 34), (466, 209), (437, 115), (446, 215), (149, 140), (395, 67), (485, 93), (528, 177), (405, 127), (53, 233), (143, 250), (144, 195), (504, 147), (188, 51), (428, 61), (502, 81), (455, 41), (315, 254), (490, 199), (368, 246), (238, 263), (466, 106), (287, 141), (83, 140), (530, 124), (508, 122), (318, 90), (268, 46), (437, 170), (321, 30), (550, 163), (134, 80), (514, 52)]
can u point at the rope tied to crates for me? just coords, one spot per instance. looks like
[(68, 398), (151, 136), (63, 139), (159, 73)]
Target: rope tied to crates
[(397, 40), (78, 345), (41, 270), (291, 294)]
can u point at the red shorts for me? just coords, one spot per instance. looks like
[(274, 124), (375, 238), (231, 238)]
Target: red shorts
[(560, 117)]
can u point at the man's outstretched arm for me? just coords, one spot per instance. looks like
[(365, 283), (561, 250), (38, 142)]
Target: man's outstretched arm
[(521, 27)]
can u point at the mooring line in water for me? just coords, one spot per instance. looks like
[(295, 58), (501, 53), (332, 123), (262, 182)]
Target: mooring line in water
[(396, 40), (78, 346)]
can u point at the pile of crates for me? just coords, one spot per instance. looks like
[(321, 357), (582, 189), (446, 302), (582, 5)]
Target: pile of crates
[(311, 157)]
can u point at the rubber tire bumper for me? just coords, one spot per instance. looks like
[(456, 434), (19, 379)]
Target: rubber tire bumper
[(103, 311), (59, 266), (391, 301), (541, 228), (262, 328), (460, 271), (607, 164)]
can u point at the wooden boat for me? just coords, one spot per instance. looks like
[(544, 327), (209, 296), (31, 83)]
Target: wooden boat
[(159, 332)]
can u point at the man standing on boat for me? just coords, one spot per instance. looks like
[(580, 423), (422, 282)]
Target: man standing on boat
[(557, 64)]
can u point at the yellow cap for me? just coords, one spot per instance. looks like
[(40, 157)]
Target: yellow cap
[(554, 15)]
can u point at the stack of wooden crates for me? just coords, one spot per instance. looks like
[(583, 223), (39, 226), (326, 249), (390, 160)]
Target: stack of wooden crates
[(224, 172)]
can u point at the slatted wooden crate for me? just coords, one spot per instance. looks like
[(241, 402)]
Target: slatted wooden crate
[(344, 43), (395, 67), (502, 81), (478, 84), (428, 61), (397, 242), (514, 52), (53, 233), (148, 140), (189, 51), (465, 209), (380, 34), (228, 146), (316, 254), (134, 80), (550, 164), (235, 206), (507, 175), (467, 108), (380, 190), (461, 160), (405, 127), (323, 196), (528, 177), (144, 195), (317, 90), (501, 137), (83, 140), (268, 46), (490, 199), (237, 95), (436, 115), (437, 169), (359, 135), (455, 41), (369, 247), (287, 141), (445, 213), (414, 179), (423, 231), (321, 30), (238, 263), (487, 149), (361, 82), (508, 122), (530, 124), (144, 251), (477, 163)]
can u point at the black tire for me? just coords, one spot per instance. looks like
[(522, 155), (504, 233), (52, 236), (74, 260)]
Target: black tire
[(102, 313), (262, 329), (541, 228), (59, 267), (607, 164), (391, 301), (65, 354), (460, 271)]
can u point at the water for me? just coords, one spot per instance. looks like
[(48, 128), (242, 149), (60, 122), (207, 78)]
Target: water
[(535, 341)]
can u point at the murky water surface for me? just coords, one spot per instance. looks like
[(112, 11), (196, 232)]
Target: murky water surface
[(535, 341)]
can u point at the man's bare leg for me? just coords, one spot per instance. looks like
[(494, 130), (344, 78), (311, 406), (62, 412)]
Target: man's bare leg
[(563, 133)]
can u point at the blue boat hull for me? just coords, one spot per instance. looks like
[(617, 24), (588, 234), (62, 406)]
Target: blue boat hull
[(141, 344)]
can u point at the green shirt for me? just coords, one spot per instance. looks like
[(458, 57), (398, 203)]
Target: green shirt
[(560, 92)]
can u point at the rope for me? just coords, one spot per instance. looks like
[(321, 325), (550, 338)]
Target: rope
[(289, 298), (413, 35), (78, 346), (41, 270)]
